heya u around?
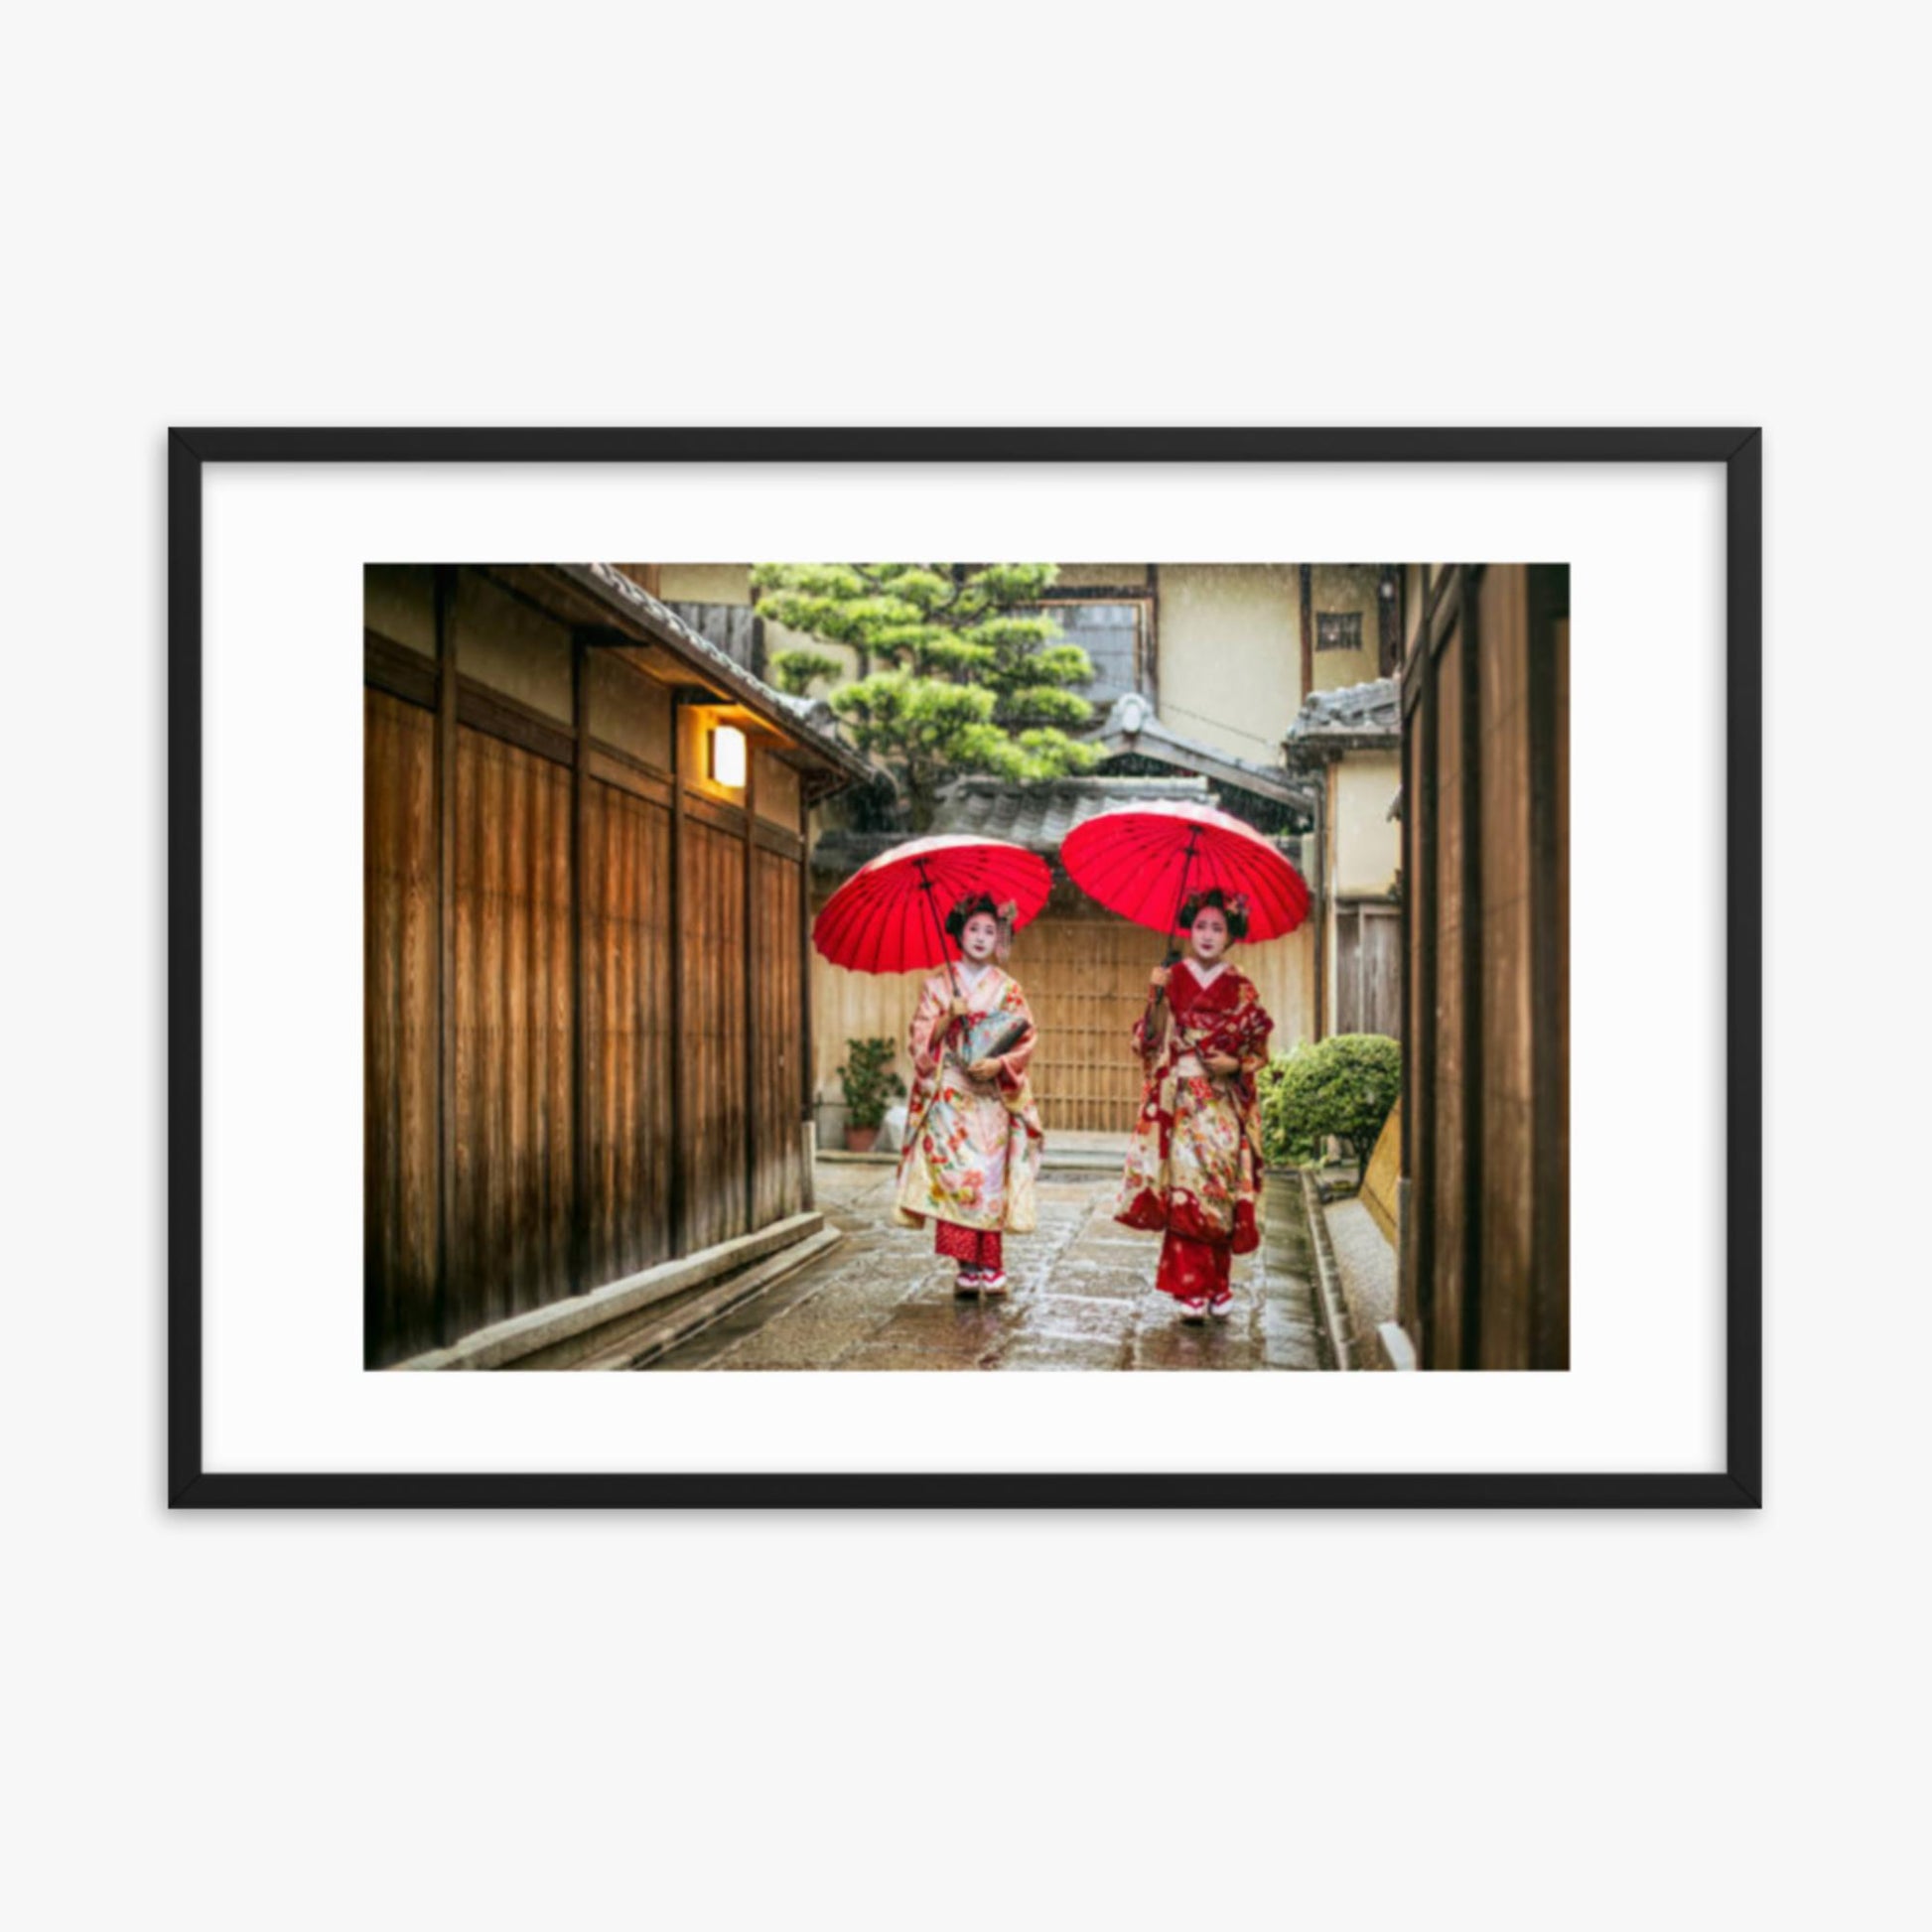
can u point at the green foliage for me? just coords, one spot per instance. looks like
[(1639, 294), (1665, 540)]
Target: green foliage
[(951, 677), (867, 1079), (798, 670), (1346, 1085)]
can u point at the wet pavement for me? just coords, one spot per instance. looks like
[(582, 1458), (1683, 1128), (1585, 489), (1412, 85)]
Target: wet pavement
[(1081, 1296)]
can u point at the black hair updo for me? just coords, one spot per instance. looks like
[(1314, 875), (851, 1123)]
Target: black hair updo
[(972, 905), (1235, 914)]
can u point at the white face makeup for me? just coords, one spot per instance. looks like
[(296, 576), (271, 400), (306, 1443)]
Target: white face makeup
[(979, 938), (1209, 935)]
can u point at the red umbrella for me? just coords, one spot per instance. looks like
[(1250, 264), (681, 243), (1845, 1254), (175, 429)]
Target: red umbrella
[(1143, 861), (889, 916)]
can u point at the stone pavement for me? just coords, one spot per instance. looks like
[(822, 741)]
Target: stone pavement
[(1081, 1296)]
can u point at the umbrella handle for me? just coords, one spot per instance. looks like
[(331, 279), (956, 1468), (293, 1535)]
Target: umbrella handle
[(940, 933), (1174, 924)]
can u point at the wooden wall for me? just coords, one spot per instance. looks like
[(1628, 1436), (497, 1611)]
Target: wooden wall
[(782, 1035), (575, 1065), (710, 1043), (515, 1164), (1485, 1277), (399, 1021), (627, 957)]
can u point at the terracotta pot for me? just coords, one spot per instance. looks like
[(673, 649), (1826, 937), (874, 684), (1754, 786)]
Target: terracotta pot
[(859, 1139)]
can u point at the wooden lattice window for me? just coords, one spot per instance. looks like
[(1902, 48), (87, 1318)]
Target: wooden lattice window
[(1339, 631)]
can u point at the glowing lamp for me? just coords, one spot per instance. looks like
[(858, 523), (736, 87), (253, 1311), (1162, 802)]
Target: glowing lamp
[(728, 756)]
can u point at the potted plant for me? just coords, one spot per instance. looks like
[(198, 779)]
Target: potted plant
[(871, 1086)]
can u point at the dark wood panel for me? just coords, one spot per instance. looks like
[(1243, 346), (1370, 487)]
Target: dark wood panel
[(513, 1132), (401, 672), (779, 1185), (1485, 1261), (1550, 722), (710, 1066), (1507, 1168), (628, 846), (1449, 1209), (400, 1019)]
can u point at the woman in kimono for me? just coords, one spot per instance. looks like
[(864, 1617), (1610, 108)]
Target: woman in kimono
[(1195, 1163), (972, 1130)]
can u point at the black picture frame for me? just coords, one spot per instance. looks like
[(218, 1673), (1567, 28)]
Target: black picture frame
[(1738, 1486)]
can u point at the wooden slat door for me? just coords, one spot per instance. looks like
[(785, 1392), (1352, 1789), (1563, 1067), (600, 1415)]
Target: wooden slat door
[(1368, 969), (1086, 981)]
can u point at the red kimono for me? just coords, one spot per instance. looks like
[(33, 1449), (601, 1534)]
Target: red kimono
[(1195, 1163)]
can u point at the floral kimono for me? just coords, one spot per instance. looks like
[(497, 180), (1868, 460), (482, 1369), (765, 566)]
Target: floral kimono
[(1195, 1163), (972, 1147)]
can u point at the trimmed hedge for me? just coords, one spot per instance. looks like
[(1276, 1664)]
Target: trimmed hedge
[(1343, 1086)]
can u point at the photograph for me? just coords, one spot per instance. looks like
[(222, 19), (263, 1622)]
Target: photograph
[(966, 966)]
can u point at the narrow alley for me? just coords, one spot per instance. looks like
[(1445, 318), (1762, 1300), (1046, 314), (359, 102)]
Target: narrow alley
[(1082, 1296)]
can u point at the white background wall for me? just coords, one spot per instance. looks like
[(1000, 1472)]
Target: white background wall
[(1518, 1722)]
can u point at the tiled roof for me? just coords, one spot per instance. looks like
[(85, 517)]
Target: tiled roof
[(1038, 814), (1041, 815), (812, 721), (1357, 714)]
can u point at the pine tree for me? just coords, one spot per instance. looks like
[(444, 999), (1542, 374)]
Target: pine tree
[(951, 677)]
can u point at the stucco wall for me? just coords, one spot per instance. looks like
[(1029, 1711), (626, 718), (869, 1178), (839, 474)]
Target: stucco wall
[(1367, 841), (506, 646), (1229, 654), (705, 583), (1346, 588)]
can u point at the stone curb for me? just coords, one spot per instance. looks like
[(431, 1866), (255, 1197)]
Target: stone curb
[(1327, 1275), (645, 1345), (507, 1342)]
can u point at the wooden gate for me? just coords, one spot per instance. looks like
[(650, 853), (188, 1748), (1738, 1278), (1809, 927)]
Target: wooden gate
[(1086, 981), (1368, 968)]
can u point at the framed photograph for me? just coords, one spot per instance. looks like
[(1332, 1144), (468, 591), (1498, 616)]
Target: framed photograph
[(1244, 1028)]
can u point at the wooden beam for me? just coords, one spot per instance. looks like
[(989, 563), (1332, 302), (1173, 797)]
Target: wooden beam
[(1422, 883), (1151, 643), (807, 1074), (579, 970), (751, 990), (516, 723), (390, 667), (443, 789), (1308, 630), (1549, 611), (1469, 965), (1322, 901), (674, 918)]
